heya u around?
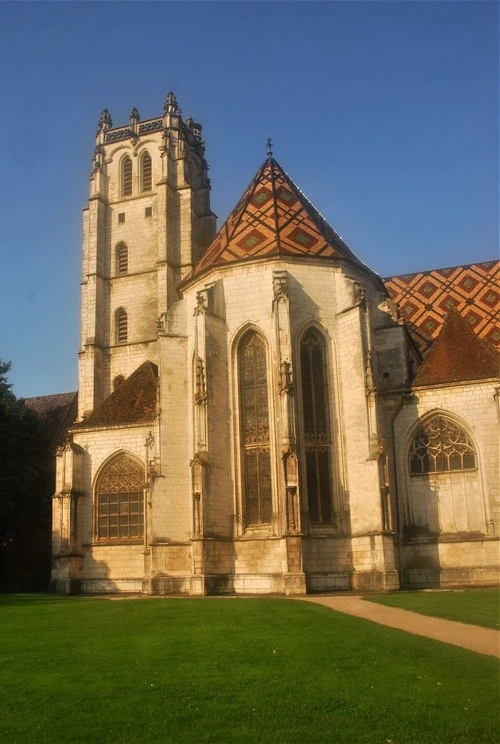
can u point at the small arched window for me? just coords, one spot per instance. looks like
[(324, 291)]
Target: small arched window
[(317, 440), (146, 172), (121, 259), (440, 445), (121, 326), (126, 176), (255, 431), (119, 500)]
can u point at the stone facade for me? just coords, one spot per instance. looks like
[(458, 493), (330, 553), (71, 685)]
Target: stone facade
[(248, 401)]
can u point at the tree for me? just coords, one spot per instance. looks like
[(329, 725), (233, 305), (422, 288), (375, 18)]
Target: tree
[(26, 483)]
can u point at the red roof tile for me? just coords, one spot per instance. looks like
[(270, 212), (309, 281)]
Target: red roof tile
[(457, 355), (133, 402)]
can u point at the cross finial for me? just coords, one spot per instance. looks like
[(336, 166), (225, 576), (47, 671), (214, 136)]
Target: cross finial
[(269, 147)]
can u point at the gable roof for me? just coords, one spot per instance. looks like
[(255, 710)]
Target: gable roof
[(426, 297), (273, 218), (133, 402), (56, 414), (458, 355)]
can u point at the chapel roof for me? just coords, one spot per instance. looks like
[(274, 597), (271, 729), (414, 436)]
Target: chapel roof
[(457, 355), (426, 297), (56, 413), (274, 219), (133, 402)]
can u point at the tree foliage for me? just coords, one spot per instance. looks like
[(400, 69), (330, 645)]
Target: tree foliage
[(26, 482)]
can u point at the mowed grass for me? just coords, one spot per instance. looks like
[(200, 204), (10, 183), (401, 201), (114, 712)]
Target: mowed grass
[(231, 670), (474, 606)]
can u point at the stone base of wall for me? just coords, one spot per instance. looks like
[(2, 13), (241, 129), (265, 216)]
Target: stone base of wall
[(447, 578), (166, 585), (106, 586), (339, 581)]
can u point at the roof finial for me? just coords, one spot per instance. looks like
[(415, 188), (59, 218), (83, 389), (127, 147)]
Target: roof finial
[(269, 147)]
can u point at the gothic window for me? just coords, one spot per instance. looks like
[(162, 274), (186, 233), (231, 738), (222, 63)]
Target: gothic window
[(121, 326), (121, 259), (440, 445), (119, 500), (317, 442), (255, 432), (146, 172), (126, 176)]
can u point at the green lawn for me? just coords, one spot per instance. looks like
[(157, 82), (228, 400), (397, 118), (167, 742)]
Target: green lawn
[(475, 606), (231, 670)]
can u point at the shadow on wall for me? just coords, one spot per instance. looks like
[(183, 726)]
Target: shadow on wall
[(442, 504)]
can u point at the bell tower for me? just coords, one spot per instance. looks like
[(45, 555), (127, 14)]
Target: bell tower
[(147, 222)]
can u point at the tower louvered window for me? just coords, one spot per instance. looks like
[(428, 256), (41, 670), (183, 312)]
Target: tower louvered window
[(317, 441), (255, 433), (121, 326), (126, 176), (119, 500), (440, 445), (121, 259), (146, 172)]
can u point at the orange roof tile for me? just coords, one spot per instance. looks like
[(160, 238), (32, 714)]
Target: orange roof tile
[(458, 355), (273, 218), (426, 297)]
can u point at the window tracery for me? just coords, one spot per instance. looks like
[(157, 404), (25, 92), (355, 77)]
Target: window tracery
[(440, 445), (317, 441), (255, 430), (119, 500)]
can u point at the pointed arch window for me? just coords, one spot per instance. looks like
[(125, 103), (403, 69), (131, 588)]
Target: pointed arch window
[(255, 432), (146, 172), (120, 500), (126, 176), (317, 441), (121, 326), (440, 445), (121, 259)]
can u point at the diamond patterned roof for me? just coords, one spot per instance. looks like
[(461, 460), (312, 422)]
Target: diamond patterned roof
[(425, 298), (274, 218)]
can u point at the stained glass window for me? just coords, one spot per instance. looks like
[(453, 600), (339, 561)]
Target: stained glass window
[(440, 445), (255, 434), (126, 176), (119, 496), (317, 440)]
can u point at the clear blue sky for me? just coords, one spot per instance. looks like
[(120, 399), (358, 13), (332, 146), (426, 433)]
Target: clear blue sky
[(385, 114)]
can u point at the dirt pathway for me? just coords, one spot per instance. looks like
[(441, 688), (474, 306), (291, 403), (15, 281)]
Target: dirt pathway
[(473, 637)]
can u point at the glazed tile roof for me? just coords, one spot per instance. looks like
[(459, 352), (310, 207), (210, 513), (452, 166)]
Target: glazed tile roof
[(274, 218), (426, 297), (133, 402), (458, 354)]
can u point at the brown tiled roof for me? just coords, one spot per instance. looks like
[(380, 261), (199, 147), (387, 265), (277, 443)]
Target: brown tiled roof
[(426, 297), (274, 218), (133, 402), (56, 414), (458, 355)]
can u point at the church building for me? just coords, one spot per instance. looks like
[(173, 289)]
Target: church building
[(258, 411)]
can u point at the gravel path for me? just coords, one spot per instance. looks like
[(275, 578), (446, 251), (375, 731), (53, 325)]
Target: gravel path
[(473, 637)]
